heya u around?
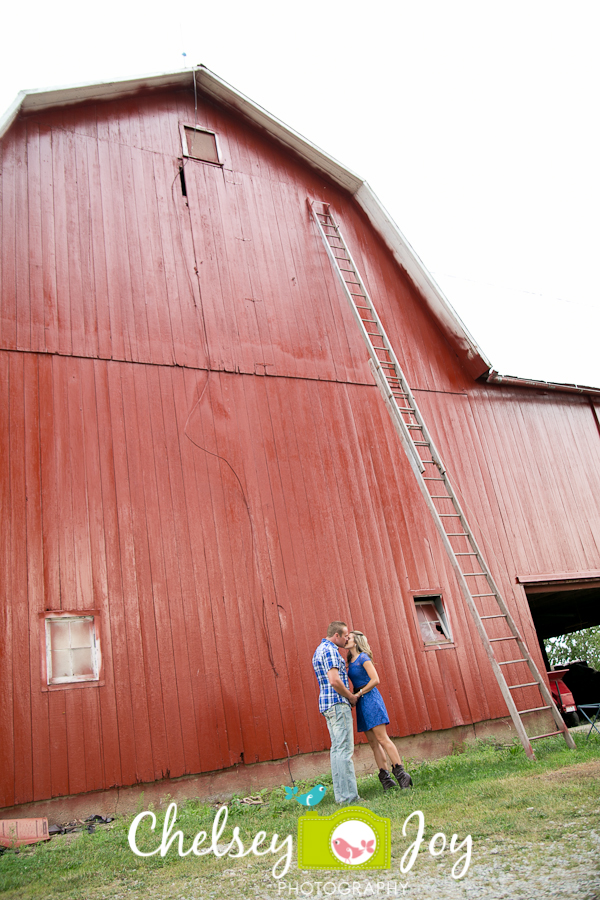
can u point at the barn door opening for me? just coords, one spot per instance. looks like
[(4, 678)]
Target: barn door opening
[(562, 604), (565, 607)]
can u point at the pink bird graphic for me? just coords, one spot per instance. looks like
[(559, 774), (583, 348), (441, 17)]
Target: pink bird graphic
[(346, 851)]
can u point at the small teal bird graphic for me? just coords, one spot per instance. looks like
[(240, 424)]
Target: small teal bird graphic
[(311, 798)]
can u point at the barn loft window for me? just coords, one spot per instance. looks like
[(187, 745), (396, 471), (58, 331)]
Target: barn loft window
[(432, 620), (72, 648), (200, 143)]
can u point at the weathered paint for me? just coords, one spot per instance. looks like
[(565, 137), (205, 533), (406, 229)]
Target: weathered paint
[(192, 443)]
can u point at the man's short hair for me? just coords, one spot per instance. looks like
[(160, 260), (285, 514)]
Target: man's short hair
[(335, 628)]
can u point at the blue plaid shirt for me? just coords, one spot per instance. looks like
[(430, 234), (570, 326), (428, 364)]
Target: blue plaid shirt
[(327, 656)]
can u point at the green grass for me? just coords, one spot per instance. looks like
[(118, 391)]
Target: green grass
[(489, 791)]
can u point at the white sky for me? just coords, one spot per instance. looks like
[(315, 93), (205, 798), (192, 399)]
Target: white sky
[(474, 122)]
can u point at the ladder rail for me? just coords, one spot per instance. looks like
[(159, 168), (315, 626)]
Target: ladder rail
[(398, 421), (365, 334), (417, 463)]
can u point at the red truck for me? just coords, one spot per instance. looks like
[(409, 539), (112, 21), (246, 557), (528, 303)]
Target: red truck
[(563, 697)]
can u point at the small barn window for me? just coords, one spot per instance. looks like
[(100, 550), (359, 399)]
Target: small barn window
[(432, 620), (72, 649), (200, 143)]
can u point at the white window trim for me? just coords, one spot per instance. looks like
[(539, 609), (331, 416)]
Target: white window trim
[(184, 146), (96, 654), (436, 600)]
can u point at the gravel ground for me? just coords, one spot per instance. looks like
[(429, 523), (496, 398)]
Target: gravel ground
[(505, 869), (560, 870)]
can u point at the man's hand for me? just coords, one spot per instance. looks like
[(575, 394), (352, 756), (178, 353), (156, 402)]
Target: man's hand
[(338, 685)]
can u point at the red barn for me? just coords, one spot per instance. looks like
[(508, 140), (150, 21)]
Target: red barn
[(199, 471)]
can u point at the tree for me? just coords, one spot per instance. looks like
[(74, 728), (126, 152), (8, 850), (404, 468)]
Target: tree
[(578, 645)]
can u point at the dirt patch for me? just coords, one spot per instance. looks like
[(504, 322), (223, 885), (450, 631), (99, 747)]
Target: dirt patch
[(590, 769)]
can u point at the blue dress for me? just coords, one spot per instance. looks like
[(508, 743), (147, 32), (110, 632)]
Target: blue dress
[(370, 709)]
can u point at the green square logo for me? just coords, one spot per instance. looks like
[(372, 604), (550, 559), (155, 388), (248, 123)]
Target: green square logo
[(352, 838)]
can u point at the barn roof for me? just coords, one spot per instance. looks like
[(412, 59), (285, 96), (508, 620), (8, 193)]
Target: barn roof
[(211, 85)]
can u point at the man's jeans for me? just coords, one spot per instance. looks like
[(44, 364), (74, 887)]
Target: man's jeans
[(339, 722)]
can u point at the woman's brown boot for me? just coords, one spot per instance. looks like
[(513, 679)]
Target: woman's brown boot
[(402, 776), (386, 780)]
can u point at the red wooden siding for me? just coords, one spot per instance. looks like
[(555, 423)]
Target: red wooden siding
[(210, 615), (192, 443)]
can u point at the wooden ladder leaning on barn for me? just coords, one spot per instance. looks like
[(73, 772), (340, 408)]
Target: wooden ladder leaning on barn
[(473, 575)]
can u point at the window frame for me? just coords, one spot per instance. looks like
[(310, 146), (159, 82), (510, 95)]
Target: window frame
[(97, 680), (434, 598), (184, 145)]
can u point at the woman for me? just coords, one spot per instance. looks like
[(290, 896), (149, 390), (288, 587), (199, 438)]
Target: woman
[(371, 714)]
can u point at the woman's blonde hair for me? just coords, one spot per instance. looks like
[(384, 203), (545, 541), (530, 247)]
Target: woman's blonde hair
[(362, 644)]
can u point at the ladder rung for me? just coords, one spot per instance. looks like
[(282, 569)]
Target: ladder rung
[(465, 534), (441, 497), (496, 616), (523, 712), (513, 687), (464, 554), (473, 574), (421, 443), (454, 516), (550, 734), (415, 428), (495, 640), (483, 595), (510, 661), (431, 479)]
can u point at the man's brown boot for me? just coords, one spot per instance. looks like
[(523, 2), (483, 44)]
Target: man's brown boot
[(402, 776), (386, 780)]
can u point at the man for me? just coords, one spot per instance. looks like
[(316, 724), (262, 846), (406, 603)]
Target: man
[(335, 702)]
